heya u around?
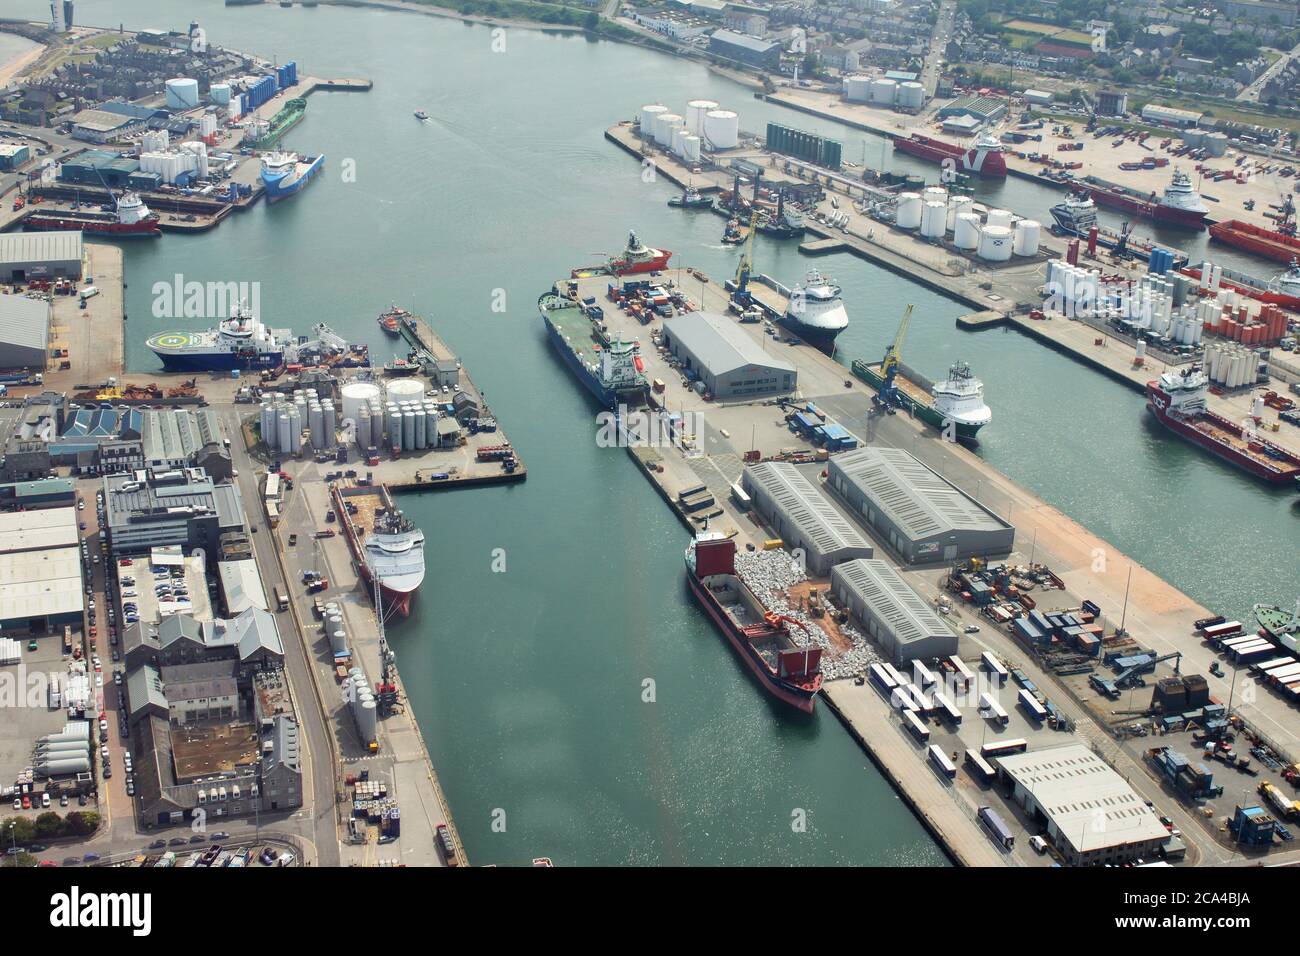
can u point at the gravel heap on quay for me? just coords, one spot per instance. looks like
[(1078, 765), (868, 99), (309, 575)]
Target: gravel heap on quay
[(770, 575)]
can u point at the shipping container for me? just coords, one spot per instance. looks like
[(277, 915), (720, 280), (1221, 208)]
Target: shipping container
[(915, 726), (923, 700), (997, 828), (1284, 675), (965, 676), (900, 679), (993, 667), (990, 708), (1276, 662), (941, 762), (900, 698), (980, 768), (1029, 703), (1226, 629), (946, 709), (1003, 748)]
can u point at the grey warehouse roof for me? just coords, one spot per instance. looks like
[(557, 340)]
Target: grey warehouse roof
[(177, 434), (740, 39), (24, 321), (41, 247), (917, 500), (882, 589), (719, 344), (805, 506)]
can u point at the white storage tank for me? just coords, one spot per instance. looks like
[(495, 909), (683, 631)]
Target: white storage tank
[(883, 92), (908, 214), (857, 89), (696, 110), (284, 441), (995, 243), (1028, 234), (1000, 217), (911, 95), (664, 126), (367, 721), (219, 94), (316, 423), (331, 420), (934, 219), (1216, 143), (421, 428), (966, 231), (691, 148), (408, 430), (207, 124), (722, 129), (405, 390), (934, 194), (182, 93), (679, 137), (356, 394), (649, 116), (956, 206)]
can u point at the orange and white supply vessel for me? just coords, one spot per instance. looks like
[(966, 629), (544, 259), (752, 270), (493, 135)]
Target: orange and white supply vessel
[(636, 258), (983, 158), (1177, 399), (386, 547)]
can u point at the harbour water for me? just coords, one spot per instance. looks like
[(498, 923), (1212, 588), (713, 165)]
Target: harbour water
[(530, 683)]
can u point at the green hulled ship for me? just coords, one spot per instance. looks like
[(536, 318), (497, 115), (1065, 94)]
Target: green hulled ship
[(958, 399)]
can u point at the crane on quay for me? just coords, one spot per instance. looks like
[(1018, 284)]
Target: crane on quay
[(887, 397)]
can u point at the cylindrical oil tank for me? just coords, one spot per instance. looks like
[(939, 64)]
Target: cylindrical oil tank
[(966, 231), (356, 394), (331, 420), (722, 129), (363, 427), (295, 429), (285, 432), (408, 430), (219, 94), (421, 428), (368, 721), (405, 390), (393, 425), (664, 127), (1216, 143), (857, 89), (376, 424), (934, 194), (884, 92), (911, 95), (1028, 234), (182, 93), (696, 110), (72, 730), (1193, 137), (1000, 217), (934, 219), (995, 244), (648, 116), (679, 137), (908, 214), (956, 206), (316, 423), (267, 421), (691, 148)]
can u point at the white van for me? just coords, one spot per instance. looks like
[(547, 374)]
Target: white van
[(1038, 843)]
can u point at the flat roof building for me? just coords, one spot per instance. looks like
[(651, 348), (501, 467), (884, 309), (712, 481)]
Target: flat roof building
[(986, 109), (40, 590), (38, 530), (101, 126), (1155, 113), (750, 50), (803, 518), (40, 255), (178, 507), (906, 627), (729, 362), (24, 332), (917, 512), (1093, 816)]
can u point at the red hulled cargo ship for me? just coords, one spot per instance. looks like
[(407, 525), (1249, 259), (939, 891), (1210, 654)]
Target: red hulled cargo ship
[(1269, 243), (984, 158), (1177, 399), (131, 219), (1179, 205), (789, 673), (385, 545)]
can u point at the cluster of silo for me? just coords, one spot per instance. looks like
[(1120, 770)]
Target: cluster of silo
[(956, 206), (1072, 290), (966, 231), (65, 753), (884, 92), (335, 630), (410, 417), (910, 96), (363, 406), (685, 136), (364, 709), (1215, 144), (857, 88), (322, 424), (1230, 365), (281, 422)]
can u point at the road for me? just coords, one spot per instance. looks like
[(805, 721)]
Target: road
[(938, 44), (1252, 93)]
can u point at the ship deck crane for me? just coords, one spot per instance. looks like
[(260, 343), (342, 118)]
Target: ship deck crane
[(887, 397), (1130, 673)]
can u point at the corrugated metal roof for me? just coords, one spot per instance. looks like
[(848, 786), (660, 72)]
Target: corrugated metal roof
[(815, 517), (748, 42), (915, 498), (719, 344), (21, 247), (880, 587), (38, 530), (38, 583), (24, 322)]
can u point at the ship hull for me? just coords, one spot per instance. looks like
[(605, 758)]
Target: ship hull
[(608, 397), (292, 183), (1158, 402), (1247, 285), (216, 361), (621, 267), (1255, 240), (109, 230), (821, 339), (993, 165), (1154, 211), (798, 699), (966, 431), (394, 601)]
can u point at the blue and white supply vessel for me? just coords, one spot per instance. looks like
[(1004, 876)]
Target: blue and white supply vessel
[(283, 174), (611, 369), (239, 342)]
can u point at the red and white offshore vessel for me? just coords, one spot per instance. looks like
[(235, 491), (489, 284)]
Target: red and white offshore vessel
[(983, 158), (761, 638), (1281, 290), (1177, 399), (1179, 205), (385, 545), (636, 258), (130, 219)]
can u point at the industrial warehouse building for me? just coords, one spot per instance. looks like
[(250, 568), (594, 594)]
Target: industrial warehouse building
[(986, 109), (160, 509), (802, 517), (920, 514), (736, 46), (40, 255), (40, 570), (729, 362), (24, 332), (1092, 815), (900, 621)]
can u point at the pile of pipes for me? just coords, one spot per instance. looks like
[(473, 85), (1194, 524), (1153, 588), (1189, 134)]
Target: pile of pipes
[(770, 575)]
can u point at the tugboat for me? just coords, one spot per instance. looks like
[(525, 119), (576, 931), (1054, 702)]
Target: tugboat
[(692, 198), (391, 321), (732, 234)]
